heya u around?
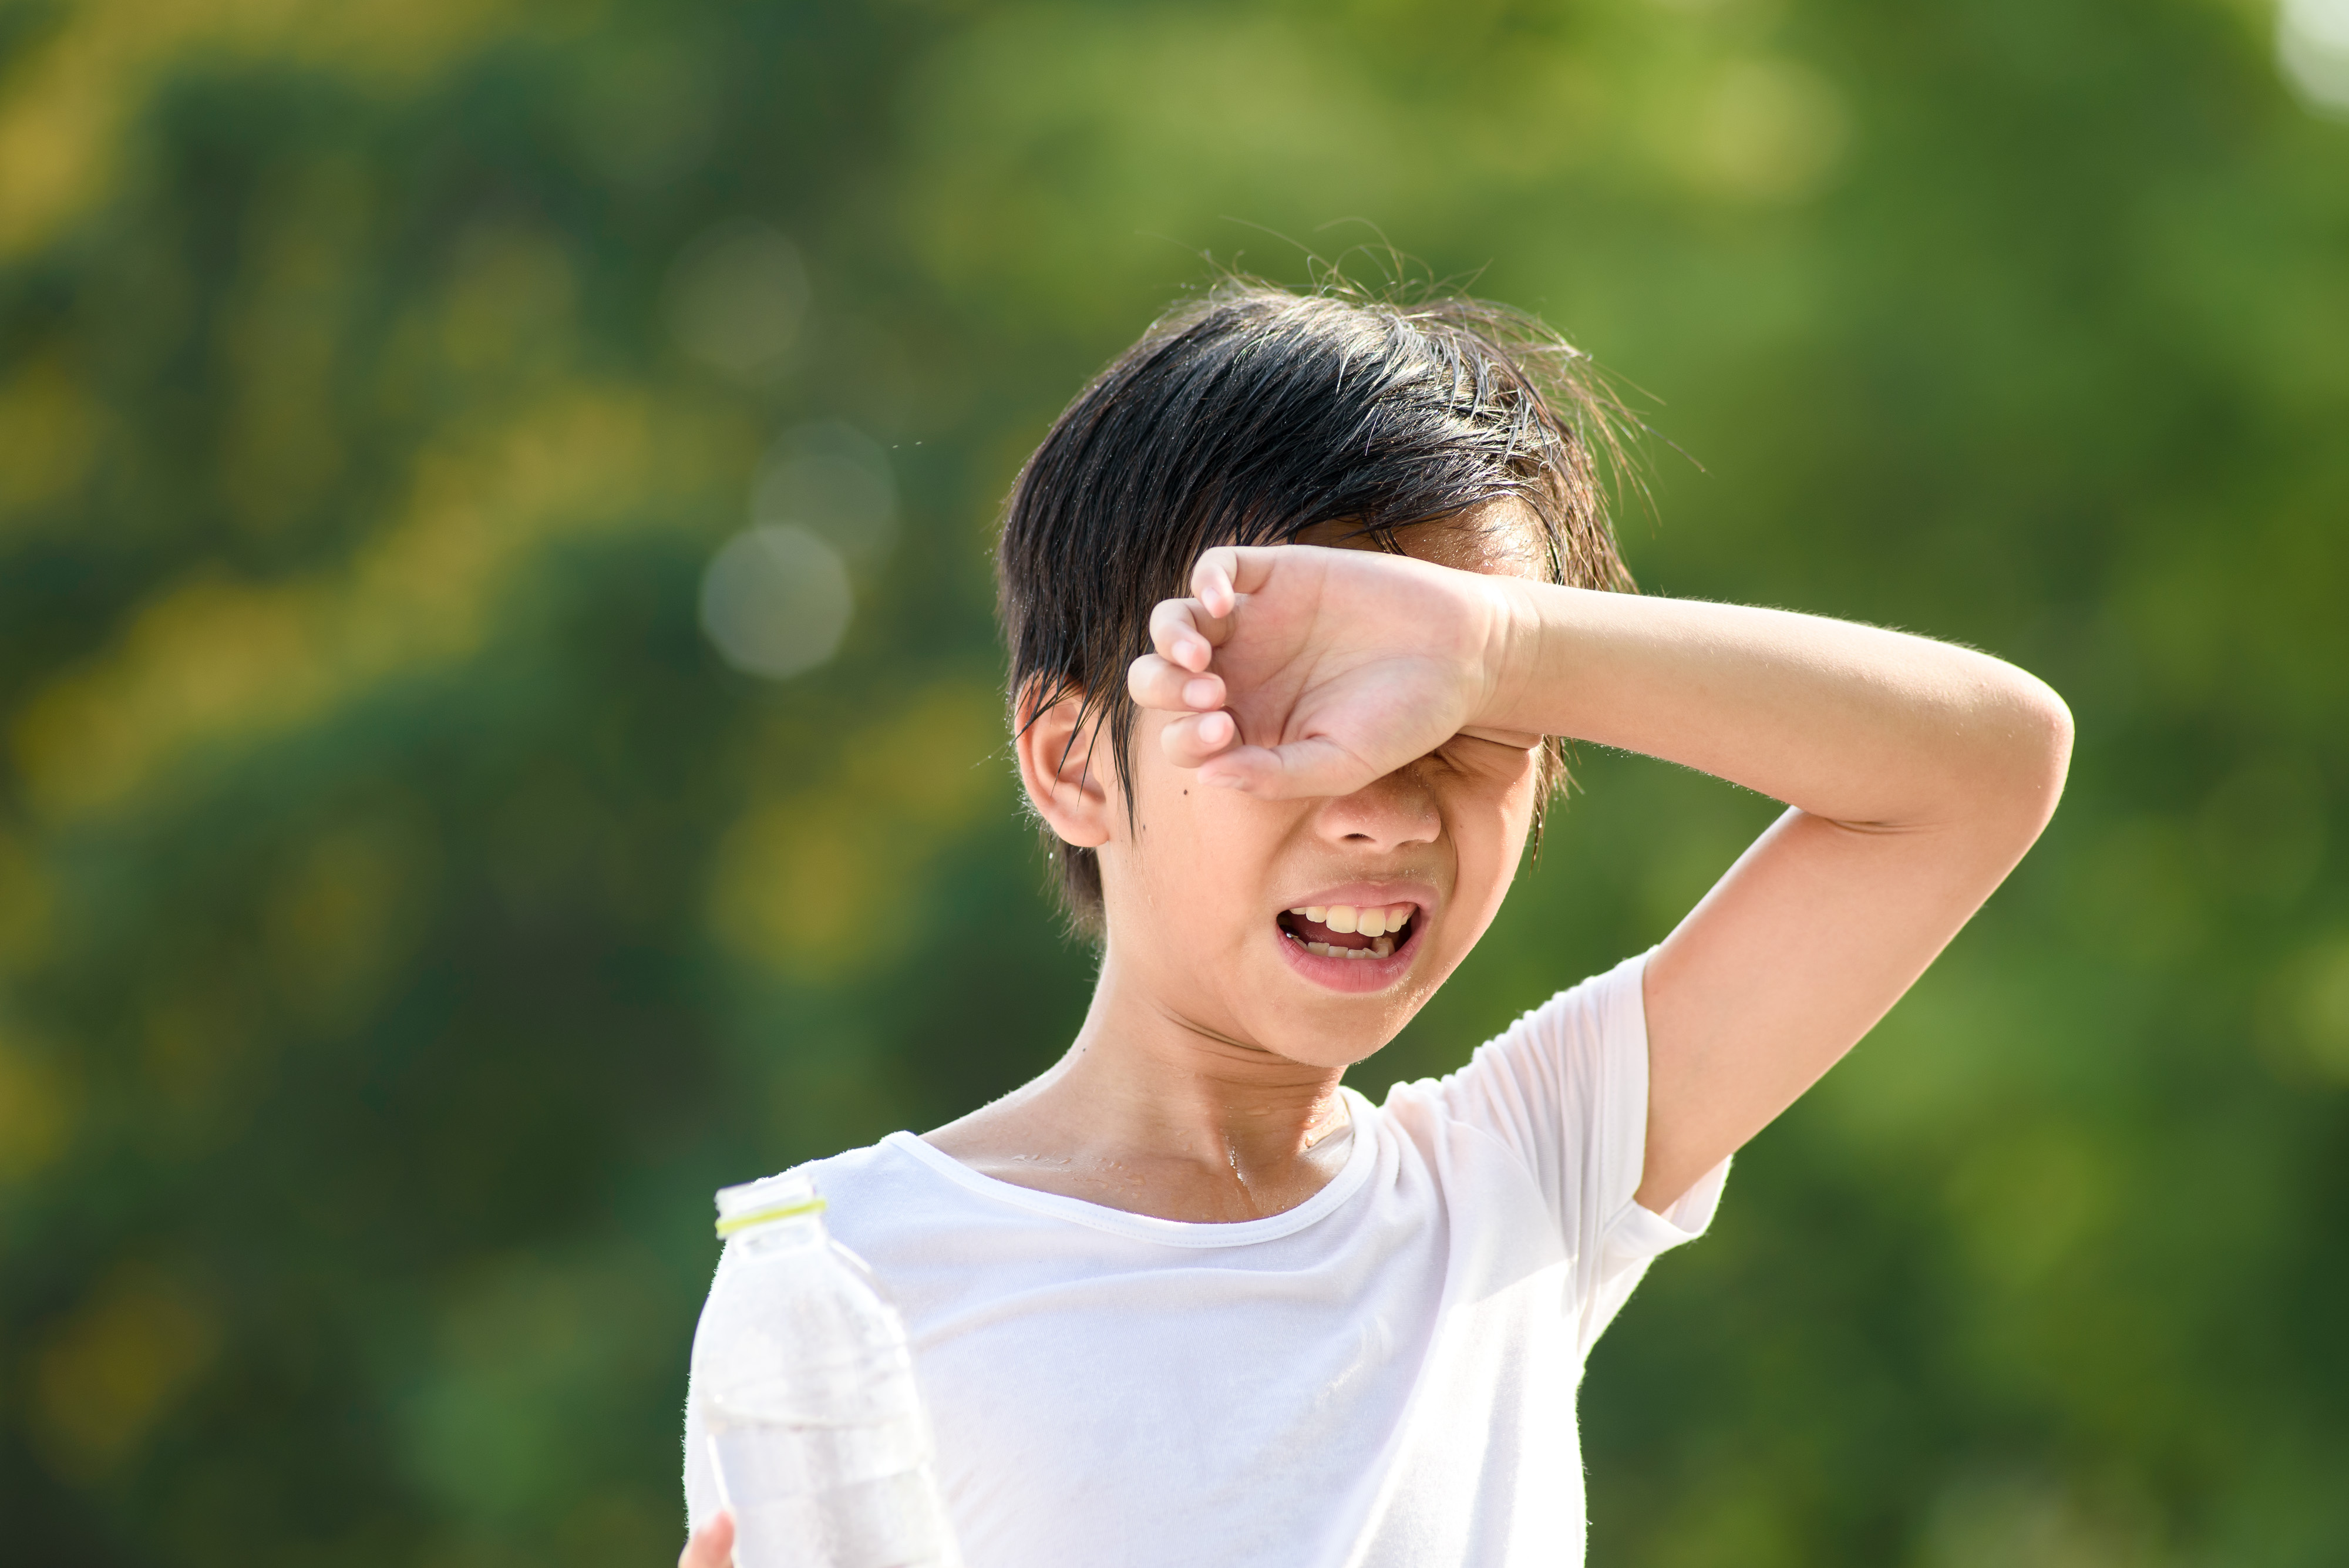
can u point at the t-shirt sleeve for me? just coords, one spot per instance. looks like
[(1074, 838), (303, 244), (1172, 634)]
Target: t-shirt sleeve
[(1565, 1088)]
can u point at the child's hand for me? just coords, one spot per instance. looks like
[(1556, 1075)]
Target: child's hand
[(711, 1546), (1339, 666)]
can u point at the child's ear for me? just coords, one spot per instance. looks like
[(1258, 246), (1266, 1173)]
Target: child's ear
[(1066, 782)]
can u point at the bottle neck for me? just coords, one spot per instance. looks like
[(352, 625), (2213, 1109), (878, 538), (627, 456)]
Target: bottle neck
[(781, 1235)]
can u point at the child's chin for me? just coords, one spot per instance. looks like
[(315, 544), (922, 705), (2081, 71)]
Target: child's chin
[(1331, 1054)]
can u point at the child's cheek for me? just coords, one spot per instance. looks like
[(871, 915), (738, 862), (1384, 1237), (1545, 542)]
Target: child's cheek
[(1493, 818)]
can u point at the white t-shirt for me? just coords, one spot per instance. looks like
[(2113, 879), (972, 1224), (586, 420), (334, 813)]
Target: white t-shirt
[(1384, 1375)]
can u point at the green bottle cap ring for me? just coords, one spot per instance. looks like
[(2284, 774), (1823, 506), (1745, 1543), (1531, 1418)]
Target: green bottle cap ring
[(733, 1222)]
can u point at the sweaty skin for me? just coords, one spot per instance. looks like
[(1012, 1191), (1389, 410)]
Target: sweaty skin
[(1203, 1084), (1343, 725), (1342, 729)]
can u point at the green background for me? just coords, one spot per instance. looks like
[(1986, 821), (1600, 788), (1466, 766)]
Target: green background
[(407, 918)]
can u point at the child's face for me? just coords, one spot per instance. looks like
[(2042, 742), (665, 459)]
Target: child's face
[(1239, 915)]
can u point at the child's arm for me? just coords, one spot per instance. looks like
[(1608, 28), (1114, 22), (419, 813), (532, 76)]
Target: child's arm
[(1918, 773)]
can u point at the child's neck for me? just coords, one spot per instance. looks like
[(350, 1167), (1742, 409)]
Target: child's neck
[(1150, 1112)]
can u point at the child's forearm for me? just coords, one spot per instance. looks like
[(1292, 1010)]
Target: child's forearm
[(1919, 771), (1861, 726)]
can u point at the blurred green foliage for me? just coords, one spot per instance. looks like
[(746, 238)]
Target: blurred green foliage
[(407, 916)]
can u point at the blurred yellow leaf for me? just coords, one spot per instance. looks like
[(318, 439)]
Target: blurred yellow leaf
[(64, 110), (48, 431), (39, 1106), (211, 660), (832, 877), (114, 1368)]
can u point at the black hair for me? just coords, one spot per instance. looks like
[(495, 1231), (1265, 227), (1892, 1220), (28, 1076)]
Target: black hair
[(1251, 414)]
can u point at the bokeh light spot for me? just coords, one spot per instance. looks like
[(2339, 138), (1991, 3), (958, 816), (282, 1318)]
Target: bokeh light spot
[(735, 299), (2312, 51), (833, 480), (775, 600)]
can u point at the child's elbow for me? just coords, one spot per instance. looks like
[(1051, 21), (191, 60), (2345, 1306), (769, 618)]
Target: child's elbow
[(2037, 749)]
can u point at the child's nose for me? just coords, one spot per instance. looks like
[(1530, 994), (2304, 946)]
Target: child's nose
[(1386, 814)]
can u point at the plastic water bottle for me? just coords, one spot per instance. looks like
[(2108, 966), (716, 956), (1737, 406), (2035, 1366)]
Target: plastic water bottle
[(815, 1428)]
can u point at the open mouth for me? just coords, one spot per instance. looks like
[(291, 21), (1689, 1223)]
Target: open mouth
[(1349, 930)]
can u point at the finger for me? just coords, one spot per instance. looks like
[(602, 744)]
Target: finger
[(711, 1546), (1197, 737), (1222, 575), (1154, 683), (1211, 579), (1315, 767), (1184, 632)]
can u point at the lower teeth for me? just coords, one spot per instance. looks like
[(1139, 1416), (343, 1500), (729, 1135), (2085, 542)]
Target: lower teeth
[(1381, 947)]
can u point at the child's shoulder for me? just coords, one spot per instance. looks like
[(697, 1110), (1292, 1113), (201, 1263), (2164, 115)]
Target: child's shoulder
[(854, 1176)]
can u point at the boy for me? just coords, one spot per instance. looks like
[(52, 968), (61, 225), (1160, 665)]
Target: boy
[(1293, 592)]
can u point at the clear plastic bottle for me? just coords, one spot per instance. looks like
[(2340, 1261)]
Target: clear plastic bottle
[(806, 1385)]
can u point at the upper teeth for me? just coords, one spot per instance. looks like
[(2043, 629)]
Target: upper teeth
[(1370, 921)]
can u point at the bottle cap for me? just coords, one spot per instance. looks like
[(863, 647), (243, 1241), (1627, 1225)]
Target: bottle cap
[(780, 1197)]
